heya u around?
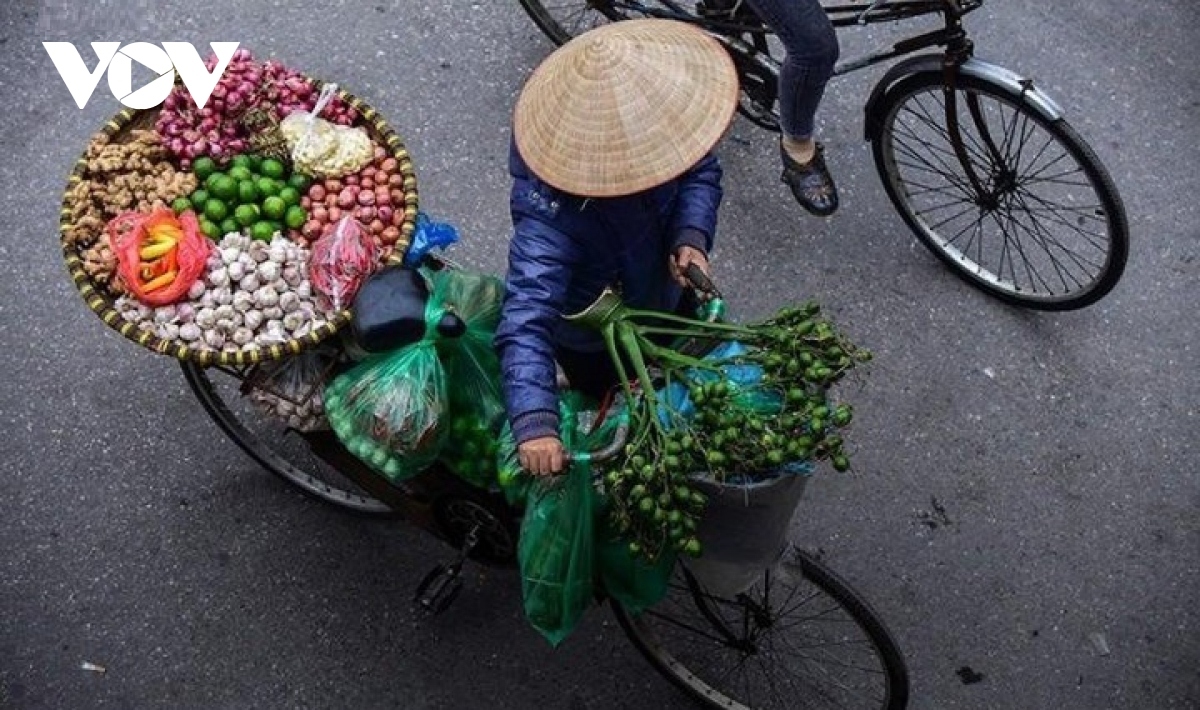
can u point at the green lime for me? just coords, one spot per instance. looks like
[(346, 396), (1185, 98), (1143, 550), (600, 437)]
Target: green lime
[(240, 172), (274, 207), (246, 215), (212, 180), (203, 167), (295, 217), (248, 192), (290, 195), (263, 231), (267, 187), (225, 188), (181, 205), (230, 226), (276, 226), (240, 161), (215, 210), (254, 162), (211, 230), (272, 168), (300, 182), (198, 198)]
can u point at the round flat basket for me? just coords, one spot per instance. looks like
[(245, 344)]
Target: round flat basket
[(103, 304)]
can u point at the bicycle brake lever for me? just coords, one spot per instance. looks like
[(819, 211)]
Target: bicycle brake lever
[(700, 281)]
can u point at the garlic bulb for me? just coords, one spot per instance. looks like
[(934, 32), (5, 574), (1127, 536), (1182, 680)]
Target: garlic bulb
[(218, 277), (289, 302), (253, 319), (242, 301), (236, 271), (258, 251), (196, 290), (190, 332), (249, 282), (214, 339), (273, 313), (241, 336), (230, 254), (266, 297), (268, 271), (293, 320), (206, 318)]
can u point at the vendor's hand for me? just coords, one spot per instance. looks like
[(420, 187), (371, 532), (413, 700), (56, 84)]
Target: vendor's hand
[(543, 456), (683, 257)]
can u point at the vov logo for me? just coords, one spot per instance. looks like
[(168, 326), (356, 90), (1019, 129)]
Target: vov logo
[(172, 57)]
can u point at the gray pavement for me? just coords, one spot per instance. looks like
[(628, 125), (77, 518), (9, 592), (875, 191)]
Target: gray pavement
[(1026, 499)]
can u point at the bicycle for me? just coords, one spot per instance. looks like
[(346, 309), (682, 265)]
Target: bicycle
[(974, 157), (802, 632)]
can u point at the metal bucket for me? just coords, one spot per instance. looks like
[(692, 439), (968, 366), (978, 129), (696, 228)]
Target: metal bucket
[(744, 530)]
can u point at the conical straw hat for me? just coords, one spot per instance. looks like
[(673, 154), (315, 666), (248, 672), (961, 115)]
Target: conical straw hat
[(625, 107)]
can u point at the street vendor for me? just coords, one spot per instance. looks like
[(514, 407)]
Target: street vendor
[(614, 184)]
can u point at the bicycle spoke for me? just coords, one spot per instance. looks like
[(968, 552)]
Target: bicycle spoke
[(821, 666), (687, 627), (1055, 209), (1042, 240), (1048, 239), (1030, 270), (951, 218), (1054, 215)]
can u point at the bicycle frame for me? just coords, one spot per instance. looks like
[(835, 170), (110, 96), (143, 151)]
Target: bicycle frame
[(952, 36)]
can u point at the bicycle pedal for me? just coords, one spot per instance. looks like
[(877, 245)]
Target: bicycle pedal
[(438, 590)]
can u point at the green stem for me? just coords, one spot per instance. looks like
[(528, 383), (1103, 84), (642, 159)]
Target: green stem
[(609, 334), (636, 314), (629, 340), (672, 357)]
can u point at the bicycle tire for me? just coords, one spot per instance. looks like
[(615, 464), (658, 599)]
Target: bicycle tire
[(643, 633), (312, 477), (1024, 223)]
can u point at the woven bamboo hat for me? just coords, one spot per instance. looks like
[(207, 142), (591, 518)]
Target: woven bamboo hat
[(625, 107)]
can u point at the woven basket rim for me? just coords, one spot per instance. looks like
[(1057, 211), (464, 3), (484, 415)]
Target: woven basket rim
[(103, 305)]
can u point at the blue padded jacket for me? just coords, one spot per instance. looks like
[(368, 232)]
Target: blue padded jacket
[(565, 250)]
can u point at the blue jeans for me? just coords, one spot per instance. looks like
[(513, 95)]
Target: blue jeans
[(812, 50)]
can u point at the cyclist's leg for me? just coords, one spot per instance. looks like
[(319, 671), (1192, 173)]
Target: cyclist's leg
[(811, 49)]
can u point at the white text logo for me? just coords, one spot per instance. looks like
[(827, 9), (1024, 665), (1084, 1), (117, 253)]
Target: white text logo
[(172, 57)]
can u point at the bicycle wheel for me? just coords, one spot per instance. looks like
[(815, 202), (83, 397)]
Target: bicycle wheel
[(268, 440), (1035, 221), (561, 20), (800, 638)]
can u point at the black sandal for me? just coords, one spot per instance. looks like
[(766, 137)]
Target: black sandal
[(811, 183)]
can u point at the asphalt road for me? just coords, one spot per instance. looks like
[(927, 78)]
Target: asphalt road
[(1026, 499)]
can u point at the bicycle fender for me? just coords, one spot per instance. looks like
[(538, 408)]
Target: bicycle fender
[(1019, 87)]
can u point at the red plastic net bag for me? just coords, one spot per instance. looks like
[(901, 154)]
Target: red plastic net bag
[(159, 255), (341, 261)]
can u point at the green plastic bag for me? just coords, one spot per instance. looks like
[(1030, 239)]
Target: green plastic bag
[(558, 574), (556, 549), (634, 583), (472, 373)]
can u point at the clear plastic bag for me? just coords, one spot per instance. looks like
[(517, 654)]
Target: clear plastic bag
[(389, 410), (341, 260), (293, 388), (325, 149)]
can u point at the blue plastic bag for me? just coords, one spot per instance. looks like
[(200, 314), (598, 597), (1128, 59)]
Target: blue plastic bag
[(430, 235)]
